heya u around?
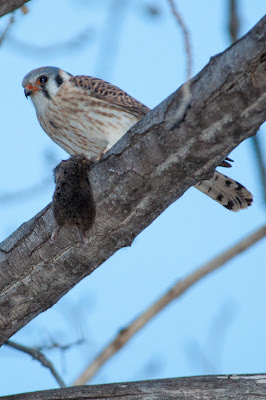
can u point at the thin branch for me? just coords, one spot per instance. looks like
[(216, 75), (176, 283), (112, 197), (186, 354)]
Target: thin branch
[(186, 38), (24, 194), (7, 28), (62, 347), (198, 356), (184, 104), (260, 163), (24, 9), (111, 36), (234, 20), (176, 291), (73, 44), (208, 356), (37, 355), (50, 159)]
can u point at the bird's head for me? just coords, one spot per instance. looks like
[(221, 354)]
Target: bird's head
[(44, 82)]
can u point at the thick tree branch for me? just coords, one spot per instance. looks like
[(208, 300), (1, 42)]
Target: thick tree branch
[(7, 6), (233, 387), (146, 171)]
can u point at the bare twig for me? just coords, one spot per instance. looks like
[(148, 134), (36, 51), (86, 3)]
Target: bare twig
[(182, 109), (208, 357), (176, 291), (261, 166), (62, 347), (198, 356), (234, 21), (186, 38), (111, 36), (72, 44), (24, 194), (50, 159), (234, 29), (37, 355), (3, 35), (24, 9)]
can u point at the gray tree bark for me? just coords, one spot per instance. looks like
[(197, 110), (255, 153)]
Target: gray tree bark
[(146, 171), (224, 387), (7, 6)]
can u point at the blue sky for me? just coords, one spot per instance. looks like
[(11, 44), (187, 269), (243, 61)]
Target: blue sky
[(219, 325)]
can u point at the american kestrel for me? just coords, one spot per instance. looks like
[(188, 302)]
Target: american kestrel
[(87, 115), (73, 202)]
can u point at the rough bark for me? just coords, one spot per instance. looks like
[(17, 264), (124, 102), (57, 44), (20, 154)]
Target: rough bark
[(146, 171), (224, 387), (7, 6)]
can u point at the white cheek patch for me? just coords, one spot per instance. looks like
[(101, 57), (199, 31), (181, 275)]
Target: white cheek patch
[(65, 75), (40, 102), (52, 87)]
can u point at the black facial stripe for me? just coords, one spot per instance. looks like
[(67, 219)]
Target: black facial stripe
[(59, 80), (46, 94)]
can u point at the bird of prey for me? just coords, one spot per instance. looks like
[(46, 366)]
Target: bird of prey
[(86, 115)]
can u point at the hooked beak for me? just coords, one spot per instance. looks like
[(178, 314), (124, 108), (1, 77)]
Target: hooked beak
[(27, 92), (29, 89)]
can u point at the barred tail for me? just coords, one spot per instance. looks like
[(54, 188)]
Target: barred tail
[(229, 193)]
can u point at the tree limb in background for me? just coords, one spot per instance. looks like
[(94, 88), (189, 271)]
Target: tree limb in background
[(186, 38), (186, 87), (261, 165), (208, 357), (7, 6), (26, 193), (73, 44), (37, 355), (23, 194), (234, 20), (176, 291), (146, 171), (3, 35), (111, 35), (234, 29), (219, 387)]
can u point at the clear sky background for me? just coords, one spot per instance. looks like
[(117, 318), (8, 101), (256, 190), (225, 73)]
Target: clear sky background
[(219, 325)]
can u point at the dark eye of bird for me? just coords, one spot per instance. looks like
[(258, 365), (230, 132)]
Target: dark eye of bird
[(43, 79)]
